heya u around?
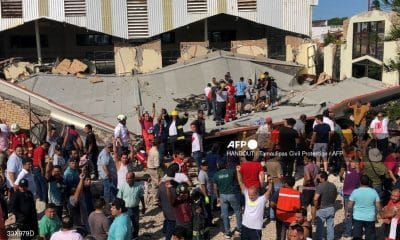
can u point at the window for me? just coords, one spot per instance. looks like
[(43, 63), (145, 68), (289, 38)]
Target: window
[(11, 8), (197, 6), (28, 41), (222, 36), (75, 8), (247, 5), (138, 21), (368, 39), (93, 40)]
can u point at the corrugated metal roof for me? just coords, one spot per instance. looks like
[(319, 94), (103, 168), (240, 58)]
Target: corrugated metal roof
[(94, 15), (30, 10), (56, 10), (288, 15)]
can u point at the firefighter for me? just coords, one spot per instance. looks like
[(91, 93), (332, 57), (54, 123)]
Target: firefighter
[(17, 137)]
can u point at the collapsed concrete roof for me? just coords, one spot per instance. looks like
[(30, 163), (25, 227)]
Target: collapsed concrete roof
[(103, 101), (116, 95)]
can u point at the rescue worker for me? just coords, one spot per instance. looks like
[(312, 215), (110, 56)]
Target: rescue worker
[(286, 202), (19, 138), (231, 102), (175, 129), (146, 122)]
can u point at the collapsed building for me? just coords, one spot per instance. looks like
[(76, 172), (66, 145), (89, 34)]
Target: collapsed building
[(165, 52)]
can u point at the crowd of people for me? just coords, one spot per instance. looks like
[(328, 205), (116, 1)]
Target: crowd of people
[(226, 99), (258, 187)]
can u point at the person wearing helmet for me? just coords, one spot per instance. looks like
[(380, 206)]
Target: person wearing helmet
[(146, 122), (19, 138), (121, 136), (175, 129), (182, 206)]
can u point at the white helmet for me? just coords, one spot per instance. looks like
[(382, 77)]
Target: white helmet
[(121, 117), (15, 127)]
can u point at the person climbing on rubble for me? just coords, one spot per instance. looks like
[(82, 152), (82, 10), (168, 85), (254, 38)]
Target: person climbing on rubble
[(240, 95), (17, 137), (221, 100), (146, 122), (230, 113), (175, 129)]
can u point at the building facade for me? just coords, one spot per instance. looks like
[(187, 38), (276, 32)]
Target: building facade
[(365, 50)]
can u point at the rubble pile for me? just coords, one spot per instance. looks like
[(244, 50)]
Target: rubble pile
[(13, 69), (67, 66), (191, 103)]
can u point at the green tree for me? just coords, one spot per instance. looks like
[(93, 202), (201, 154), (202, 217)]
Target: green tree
[(336, 21), (394, 35), (376, 4)]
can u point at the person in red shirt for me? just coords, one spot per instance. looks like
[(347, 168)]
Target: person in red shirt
[(38, 169), (19, 138), (146, 122), (251, 171), (230, 102), (182, 162), (392, 164), (390, 211)]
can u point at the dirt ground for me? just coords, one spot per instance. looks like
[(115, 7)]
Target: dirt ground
[(151, 222)]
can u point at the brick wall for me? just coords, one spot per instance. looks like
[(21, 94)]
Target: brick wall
[(13, 113)]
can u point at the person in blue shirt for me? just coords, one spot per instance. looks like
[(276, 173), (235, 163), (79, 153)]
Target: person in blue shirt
[(71, 175), (121, 228), (364, 203), (240, 95)]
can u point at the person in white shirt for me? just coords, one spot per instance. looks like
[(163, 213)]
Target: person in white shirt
[(67, 232), (27, 174), (14, 166), (380, 132), (121, 136), (221, 97), (263, 134), (207, 92), (197, 145), (254, 209)]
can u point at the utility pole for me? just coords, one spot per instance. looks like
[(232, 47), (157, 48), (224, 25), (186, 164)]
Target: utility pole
[(369, 5)]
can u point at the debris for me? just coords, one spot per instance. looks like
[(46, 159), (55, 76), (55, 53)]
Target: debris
[(192, 102), (18, 70), (323, 77), (77, 67), (66, 66), (96, 79), (80, 75), (63, 67)]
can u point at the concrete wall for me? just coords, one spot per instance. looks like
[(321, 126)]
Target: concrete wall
[(141, 59), (390, 48), (329, 55), (305, 55)]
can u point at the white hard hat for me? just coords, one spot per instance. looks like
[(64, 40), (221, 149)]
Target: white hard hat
[(15, 128), (121, 117)]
